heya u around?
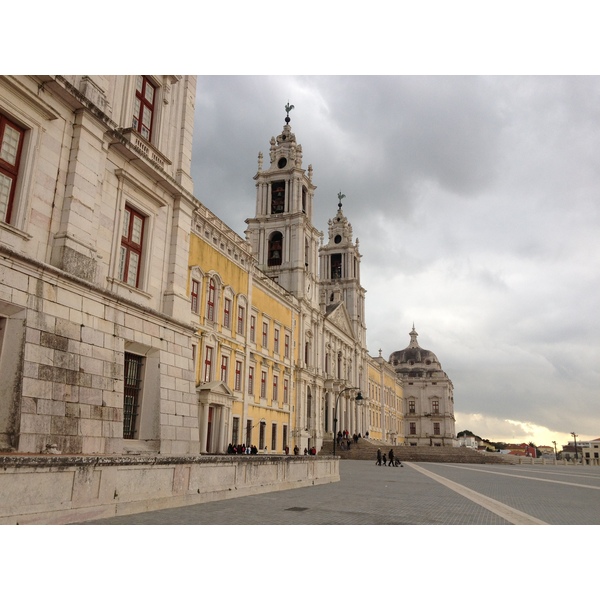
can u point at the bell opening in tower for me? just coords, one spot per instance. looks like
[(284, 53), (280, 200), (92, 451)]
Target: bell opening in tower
[(336, 266), (277, 197), (275, 248)]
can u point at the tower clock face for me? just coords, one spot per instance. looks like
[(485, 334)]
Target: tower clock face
[(282, 162)]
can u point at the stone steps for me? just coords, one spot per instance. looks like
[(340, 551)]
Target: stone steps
[(367, 450)]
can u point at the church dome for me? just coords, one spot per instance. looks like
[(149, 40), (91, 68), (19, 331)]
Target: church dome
[(414, 361)]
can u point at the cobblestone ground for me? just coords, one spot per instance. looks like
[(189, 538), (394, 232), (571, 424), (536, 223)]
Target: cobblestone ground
[(420, 494)]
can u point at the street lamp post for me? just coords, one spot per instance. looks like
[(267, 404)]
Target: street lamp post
[(358, 398), (575, 438), (555, 452)]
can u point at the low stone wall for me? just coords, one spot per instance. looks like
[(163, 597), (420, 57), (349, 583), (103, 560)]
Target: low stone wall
[(75, 489)]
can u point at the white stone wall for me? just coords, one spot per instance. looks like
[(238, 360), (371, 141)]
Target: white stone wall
[(66, 319), (60, 490)]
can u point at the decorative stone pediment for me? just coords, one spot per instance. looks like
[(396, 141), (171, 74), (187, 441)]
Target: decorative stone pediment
[(215, 392), (338, 315)]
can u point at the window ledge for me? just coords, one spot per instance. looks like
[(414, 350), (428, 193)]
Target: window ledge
[(124, 287), (14, 230)]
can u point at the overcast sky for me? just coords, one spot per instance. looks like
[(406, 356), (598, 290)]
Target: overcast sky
[(476, 204)]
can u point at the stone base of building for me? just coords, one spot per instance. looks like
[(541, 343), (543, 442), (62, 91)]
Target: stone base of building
[(75, 489)]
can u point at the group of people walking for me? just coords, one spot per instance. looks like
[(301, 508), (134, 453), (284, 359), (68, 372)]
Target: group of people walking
[(390, 460)]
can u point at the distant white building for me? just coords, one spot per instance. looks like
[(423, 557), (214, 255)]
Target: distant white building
[(428, 396)]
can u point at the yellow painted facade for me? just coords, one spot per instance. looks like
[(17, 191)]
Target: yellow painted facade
[(386, 403), (246, 338)]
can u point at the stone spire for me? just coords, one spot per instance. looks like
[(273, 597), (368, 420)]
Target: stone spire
[(413, 338)]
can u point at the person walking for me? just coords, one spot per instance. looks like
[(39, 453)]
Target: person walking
[(391, 457), (384, 459), (378, 462)]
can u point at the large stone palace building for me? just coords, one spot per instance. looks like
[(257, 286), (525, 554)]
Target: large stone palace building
[(132, 319)]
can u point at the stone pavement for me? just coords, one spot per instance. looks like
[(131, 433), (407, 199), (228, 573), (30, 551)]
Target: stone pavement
[(417, 494)]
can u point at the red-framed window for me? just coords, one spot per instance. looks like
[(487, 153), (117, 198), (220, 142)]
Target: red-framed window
[(11, 145), (132, 239), (276, 341), (435, 407), (240, 320), (224, 367), (252, 328), (412, 407), (238, 376), (250, 380), (195, 296), (285, 391), (143, 109), (227, 313), (208, 363), (210, 303), (275, 390), (265, 335), (263, 384), (287, 346)]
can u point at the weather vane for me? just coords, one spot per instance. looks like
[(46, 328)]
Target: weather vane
[(340, 197), (288, 108)]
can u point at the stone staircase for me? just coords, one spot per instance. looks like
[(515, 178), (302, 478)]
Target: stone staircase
[(367, 450)]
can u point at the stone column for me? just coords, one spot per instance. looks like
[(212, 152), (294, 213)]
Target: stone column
[(203, 428)]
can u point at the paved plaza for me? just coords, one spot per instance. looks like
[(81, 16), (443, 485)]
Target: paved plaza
[(416, 494)]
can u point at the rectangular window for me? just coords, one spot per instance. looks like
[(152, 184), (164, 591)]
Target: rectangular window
[(435, 407), (195, 296), (238, 376), (143, 110), (132, 238), (263, 384), (210, 304), (287, 346), (284, 437), (265, 335), (240, 320), (250, 381), (276, 341), (275, 383), (227, 313), (248, 432), (11, 144), (411, 407), (253, 328), (274, 436), (412, 428), (261, 438), (436, 429), (224, 366), (131, 394), (208, 364), (285, 391), (235, 431)]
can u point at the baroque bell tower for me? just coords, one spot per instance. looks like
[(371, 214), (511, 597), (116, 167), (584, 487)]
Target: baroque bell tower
[(284, 241), (340, 272)]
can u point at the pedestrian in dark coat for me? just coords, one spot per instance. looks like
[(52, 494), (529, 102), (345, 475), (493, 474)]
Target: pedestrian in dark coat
[(391, 456), (378, 462)]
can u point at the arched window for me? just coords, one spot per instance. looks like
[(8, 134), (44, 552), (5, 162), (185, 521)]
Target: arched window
[(275, 249)]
